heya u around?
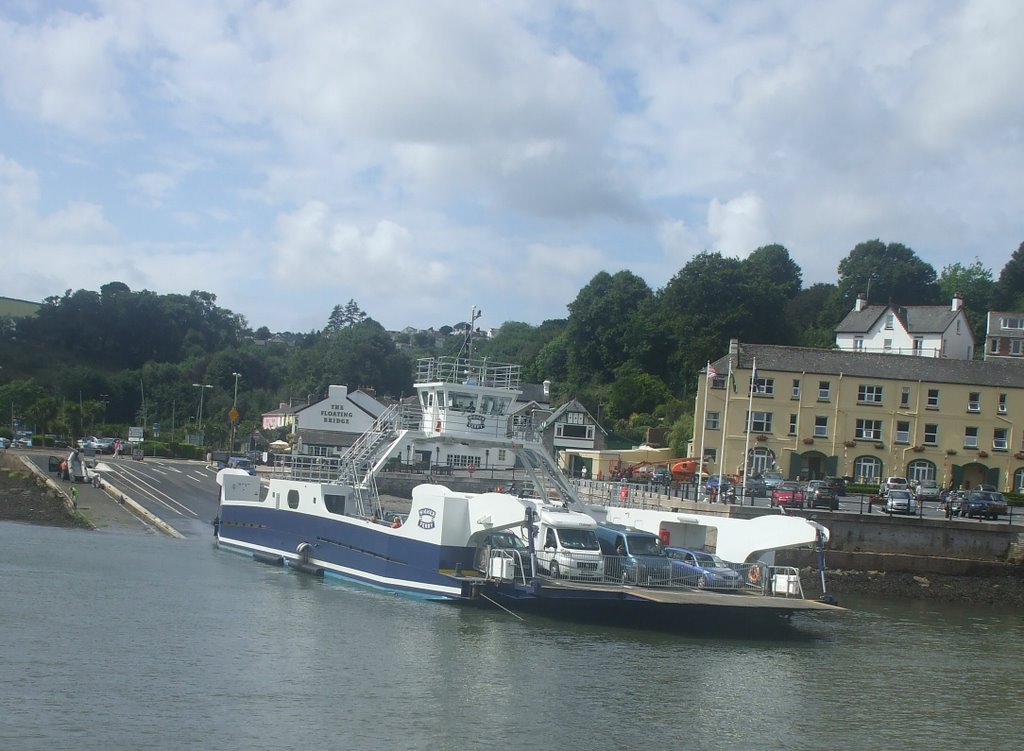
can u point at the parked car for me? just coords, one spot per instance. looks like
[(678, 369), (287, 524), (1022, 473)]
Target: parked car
[(633, 556), (927, 490), (838, 485), (511, 546), (698, 568), (772, 478), (756, 487), (820, 495), (893, 483), (900, 502), (983, 504), (789, 494), (661, 476)]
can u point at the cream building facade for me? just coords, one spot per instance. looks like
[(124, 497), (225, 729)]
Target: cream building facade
[(817, 412)]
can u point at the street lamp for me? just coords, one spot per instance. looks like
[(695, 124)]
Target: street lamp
[(234, 411), (105, 398), (202, 390)]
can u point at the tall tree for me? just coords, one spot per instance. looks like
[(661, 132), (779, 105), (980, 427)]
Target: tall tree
[(1008, 294), (974, 283), (894, 273), (601, 323)]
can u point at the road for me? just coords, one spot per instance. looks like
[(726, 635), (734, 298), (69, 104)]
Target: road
[(183, 494)]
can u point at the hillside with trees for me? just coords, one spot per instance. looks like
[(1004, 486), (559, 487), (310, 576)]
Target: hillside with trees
[(97, 362)]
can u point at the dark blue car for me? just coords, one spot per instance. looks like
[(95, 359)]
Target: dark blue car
[(697, 568)]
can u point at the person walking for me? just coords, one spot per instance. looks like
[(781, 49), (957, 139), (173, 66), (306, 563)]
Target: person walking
[(74, 497)]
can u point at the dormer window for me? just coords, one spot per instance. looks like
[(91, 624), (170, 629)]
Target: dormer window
[(888, 321)]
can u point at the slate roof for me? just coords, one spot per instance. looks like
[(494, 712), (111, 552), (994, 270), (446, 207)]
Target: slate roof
[(770, 357), (996, 330), (916, 319), (575, 406)]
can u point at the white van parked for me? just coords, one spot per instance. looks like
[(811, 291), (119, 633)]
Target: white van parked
[(566, 544)]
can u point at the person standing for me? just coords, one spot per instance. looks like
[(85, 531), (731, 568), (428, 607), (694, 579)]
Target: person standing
[(74, 497)]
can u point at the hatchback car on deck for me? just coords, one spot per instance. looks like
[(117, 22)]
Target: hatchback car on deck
[(697, 568)]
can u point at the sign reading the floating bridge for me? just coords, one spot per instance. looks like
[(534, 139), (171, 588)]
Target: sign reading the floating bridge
[(135, 435)]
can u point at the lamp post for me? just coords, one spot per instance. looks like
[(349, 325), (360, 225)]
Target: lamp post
[(234, 412), (105, 398), (199, 418)]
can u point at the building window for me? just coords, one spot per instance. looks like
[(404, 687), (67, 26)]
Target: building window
[(1015, 347), (970, 437), (933, 399), (958, 327), (821, 426), (974, 401), (711, 422), (867, 394), (796, 388), (867, 469), (793, 421), (994, 346), (1018, 480), (888, 323), (858, 344), (764, 386), (869, 430), (760, 422), (574, 432), (1002, 404), (902, 431), (999, 439), (710, 454), (918, 345), (501, 455), (931, 434), (887, 345), (920, 470), (760, 460), (905, 397), (1013, 323), (824, 390), (718, 382)]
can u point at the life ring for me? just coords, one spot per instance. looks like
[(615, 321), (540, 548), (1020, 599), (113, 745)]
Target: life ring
[(754, 574)]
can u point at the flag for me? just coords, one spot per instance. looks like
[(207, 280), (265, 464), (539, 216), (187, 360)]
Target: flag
[(733, 379), (712, 373)]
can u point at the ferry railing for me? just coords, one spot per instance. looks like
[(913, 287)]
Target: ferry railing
[(646, 571), (771, 581), (475, 371), (509, 565), (574, 566)]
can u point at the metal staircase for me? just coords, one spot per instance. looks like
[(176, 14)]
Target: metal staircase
[(364, 459)]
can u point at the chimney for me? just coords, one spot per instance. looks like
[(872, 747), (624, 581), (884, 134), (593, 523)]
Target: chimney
[(860, 303), (547, 389), (734, 346), (958, 302)]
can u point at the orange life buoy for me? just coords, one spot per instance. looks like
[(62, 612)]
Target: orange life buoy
[(754, 575)]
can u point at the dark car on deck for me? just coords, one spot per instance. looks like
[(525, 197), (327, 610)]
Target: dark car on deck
[(820, 495), (789, 494), (756, 488)]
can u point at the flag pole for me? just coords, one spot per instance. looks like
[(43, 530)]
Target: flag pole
[(703, 426), (725, 425), (746, 445)]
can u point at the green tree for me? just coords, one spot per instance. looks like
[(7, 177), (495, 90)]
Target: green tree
[(634, 393), (1008, 295), (975, 284), (809, 316), (895, 273), (601, 323)]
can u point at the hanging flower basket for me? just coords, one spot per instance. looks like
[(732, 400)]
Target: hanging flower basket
[(982, 454), (762, 437), (918, 449), (950, 452), (879, 446), (808, 441), (849, 444), (1019, 455)]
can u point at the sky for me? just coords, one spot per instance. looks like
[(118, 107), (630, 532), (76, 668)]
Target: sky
[(422, 158)]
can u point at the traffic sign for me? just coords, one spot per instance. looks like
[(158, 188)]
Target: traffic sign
[(156, 430), (233, 414), (135, 434)]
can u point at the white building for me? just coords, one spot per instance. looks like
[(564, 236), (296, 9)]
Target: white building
[(921, 330)]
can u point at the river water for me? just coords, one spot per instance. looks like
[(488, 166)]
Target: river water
[(112, 642)]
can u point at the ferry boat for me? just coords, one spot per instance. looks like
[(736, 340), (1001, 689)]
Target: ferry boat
[(534, 550)]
